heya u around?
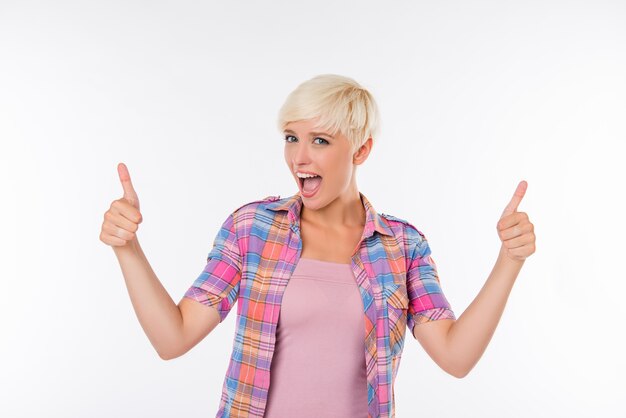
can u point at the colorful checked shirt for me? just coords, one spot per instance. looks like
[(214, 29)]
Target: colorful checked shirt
[(253, 256)]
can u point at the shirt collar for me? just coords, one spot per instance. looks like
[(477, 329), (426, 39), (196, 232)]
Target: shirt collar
[(293, 206)]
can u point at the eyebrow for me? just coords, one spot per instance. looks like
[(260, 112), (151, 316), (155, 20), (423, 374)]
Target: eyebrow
[(311, 133)]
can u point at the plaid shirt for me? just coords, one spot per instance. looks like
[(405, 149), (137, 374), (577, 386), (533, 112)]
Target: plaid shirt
[(255, 252)]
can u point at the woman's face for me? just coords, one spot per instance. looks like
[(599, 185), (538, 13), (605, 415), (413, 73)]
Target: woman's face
[(311, 150)]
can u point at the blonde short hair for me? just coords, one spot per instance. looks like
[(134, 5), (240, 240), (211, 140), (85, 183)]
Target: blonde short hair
[(341, 103)]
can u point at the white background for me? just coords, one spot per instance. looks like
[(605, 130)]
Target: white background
[(475, 96)]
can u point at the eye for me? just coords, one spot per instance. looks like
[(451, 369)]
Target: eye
[(291, 136)]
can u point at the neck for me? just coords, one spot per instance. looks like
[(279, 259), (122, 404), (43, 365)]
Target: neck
[(346, 211)]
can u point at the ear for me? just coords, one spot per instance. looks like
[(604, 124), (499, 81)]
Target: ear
[(364, 150)]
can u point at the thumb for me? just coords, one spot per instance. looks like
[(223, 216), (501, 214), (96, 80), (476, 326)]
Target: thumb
[(129, 191), (516, 199)]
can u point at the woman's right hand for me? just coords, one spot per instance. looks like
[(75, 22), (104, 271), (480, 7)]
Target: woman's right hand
[(122, 220)]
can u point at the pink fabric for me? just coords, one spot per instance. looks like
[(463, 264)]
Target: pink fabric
[(318, 368)]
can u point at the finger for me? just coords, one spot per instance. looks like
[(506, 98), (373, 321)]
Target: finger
[(516, 199), (120, 221), (111, 240), (119, 232), (518, 240), (516, 231), (511, 220), (127, 185), (125, 209)]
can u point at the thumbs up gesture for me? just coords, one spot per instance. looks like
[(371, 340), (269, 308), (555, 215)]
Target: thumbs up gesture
[(515, 230), (129, 191), (122, 219)]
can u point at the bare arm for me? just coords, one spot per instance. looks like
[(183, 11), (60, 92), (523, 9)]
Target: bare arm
[(198, 321), (172, 329), (433, 337), (456, 346), (469, 336)]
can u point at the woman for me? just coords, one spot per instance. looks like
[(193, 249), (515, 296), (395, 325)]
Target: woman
[(326, 285)]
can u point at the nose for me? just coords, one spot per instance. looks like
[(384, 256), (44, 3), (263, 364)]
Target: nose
[(301, 155)]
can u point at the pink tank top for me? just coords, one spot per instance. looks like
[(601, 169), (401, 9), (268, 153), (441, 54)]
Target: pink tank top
[(318, 367)]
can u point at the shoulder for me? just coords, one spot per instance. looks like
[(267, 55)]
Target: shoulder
[(409, 230), (254, 205), (412, 237), (244, 216)]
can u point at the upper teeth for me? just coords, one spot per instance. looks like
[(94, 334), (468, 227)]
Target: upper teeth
[(304, 176)]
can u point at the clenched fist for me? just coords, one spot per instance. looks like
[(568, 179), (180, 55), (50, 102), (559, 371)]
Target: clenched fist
[(122, 219), (515, 230)]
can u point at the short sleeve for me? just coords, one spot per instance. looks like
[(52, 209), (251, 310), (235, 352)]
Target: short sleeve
[(426, 299), (218, 284)]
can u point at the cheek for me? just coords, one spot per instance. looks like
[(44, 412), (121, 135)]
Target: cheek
[(344, 166)]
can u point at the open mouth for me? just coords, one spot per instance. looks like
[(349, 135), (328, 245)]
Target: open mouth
[(301, 180), (310, 185)]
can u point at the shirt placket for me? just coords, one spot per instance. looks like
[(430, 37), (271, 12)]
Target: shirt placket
[(370, 310)]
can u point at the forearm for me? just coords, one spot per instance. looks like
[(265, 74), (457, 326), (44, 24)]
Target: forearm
[(469, 336), (158, 314)]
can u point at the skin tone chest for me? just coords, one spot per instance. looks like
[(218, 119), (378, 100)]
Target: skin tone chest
[(327, 244)]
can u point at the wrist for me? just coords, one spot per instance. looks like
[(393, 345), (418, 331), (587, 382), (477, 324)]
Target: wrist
[(504, 256)]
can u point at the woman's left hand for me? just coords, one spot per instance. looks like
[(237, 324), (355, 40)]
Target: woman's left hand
[(515, 230)]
